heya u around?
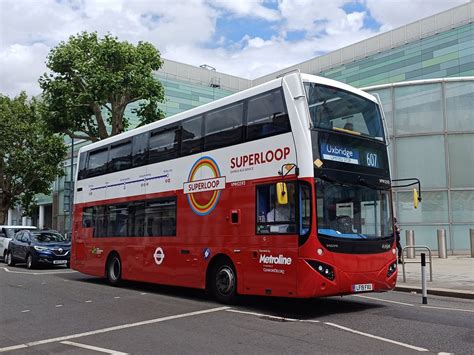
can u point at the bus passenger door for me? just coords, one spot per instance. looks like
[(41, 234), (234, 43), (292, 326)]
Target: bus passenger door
[(274, 248)]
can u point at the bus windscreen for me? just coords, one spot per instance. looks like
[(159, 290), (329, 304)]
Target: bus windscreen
[(335, 109)]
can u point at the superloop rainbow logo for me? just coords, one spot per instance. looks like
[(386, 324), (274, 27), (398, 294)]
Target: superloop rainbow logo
[(204, 186)]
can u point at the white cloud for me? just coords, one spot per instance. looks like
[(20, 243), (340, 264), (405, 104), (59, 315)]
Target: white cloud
[(186, 30), (20, 68), (395, 13), (244, 8)]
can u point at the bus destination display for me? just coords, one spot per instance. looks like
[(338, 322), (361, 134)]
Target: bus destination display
[(350, 155)]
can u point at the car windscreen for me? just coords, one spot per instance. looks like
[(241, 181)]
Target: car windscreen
[(48, 237), (10, 232)]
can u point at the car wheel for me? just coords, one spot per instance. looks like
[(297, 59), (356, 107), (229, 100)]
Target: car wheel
[(5, 256), (68, 265), (10, 261), (224, 282), (114, 270), (30, 263)]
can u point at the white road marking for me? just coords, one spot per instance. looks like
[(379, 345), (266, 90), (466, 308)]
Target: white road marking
[(450, 309), (143, 293), (59, 305), (383, 300), (376, 337), (110, 329), (332, 325), (95, 348), (411, 305), (89, 301), (117, 297), (272, 317), (25, 311), (39, 273)]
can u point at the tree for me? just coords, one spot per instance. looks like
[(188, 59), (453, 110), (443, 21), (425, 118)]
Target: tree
[(30, 153), (93, 78)]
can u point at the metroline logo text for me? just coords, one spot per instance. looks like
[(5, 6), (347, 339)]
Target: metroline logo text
[(277, 260), (259, 158)]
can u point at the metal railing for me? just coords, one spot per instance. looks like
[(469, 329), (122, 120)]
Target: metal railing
[(424, 247)]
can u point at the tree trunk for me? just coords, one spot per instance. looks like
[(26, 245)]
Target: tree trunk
[(4, 206)]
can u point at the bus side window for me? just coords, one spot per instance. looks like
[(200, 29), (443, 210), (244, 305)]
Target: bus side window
[(163, 145), (100, 222), (136, 214), (140, 150), (224, 127), (88, 217), (192, 136), (267, 116), (97, 162), (120, 156), (82, 174), (161, 217), (117, 220)]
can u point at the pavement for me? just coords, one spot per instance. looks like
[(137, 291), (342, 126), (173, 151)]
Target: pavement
[(452, 277)]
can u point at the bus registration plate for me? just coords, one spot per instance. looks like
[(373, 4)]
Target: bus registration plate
[(362, 287)]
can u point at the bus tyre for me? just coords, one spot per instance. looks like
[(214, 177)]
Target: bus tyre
[(9, 260), (224, 282), (114, 270)]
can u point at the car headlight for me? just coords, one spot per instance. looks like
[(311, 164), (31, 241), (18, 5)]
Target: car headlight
[(40, 248)]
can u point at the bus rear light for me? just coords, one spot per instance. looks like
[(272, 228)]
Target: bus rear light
[(391, 269), (325, 270)]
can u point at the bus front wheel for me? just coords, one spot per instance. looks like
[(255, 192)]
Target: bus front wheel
[(224, 282), (114, 270)]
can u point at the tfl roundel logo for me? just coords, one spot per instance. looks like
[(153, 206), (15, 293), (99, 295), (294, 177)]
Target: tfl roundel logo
[(204, 185)]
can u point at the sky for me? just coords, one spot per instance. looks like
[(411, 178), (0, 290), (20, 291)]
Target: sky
[(246, 38)]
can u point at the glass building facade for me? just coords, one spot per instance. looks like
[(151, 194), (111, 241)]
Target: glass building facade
[(441, 55), (431, 129)]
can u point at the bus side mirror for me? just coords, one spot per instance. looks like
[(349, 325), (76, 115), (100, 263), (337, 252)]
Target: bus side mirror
[(416, 198), (282, 193)]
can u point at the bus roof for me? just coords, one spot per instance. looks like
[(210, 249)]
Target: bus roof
[(272, 84)]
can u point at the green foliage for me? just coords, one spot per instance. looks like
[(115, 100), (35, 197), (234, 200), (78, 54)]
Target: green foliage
[(95, 77), (30, 153)]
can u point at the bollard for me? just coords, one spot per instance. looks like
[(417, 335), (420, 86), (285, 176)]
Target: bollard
[(471, 233), (423, 279), (410, 237), (442, 248)]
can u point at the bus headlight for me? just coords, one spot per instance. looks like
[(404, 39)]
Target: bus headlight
[(391, 269), (323, 269)]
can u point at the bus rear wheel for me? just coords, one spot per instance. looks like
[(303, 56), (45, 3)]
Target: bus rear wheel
[(224, 282), (114, 270)]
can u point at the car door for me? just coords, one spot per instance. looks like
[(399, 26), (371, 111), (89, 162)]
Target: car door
[(23, 245), (3, 237), (13, 245)]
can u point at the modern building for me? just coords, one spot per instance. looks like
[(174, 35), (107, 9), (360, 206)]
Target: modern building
[(424, 75)]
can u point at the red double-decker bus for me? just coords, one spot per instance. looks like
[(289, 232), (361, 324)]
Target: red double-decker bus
[(282, 190)]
